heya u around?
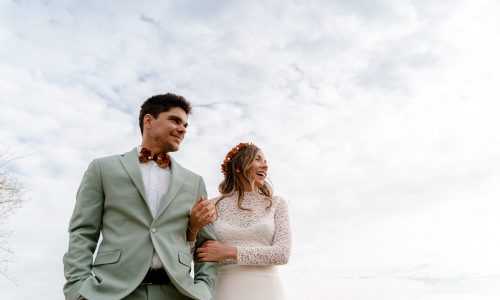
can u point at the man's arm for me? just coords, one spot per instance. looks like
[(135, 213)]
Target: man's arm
[(84, 230), (202, 214), (205, 273)]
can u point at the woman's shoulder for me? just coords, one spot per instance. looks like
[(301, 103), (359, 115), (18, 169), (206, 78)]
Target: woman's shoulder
[(216, 199), (278, 200)]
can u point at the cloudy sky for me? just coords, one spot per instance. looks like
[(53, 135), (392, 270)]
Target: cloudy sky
[(378, 119)]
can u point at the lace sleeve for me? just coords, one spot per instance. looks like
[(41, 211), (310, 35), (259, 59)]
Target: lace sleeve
[(279, 252)]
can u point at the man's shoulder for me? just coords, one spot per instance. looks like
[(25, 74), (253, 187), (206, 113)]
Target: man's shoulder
[(111, 158)]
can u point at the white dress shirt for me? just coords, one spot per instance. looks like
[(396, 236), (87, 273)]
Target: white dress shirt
[(156, 181)]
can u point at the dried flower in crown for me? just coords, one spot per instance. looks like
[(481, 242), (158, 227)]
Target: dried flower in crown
[(231, 154)]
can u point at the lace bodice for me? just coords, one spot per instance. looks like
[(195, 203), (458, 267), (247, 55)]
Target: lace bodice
[(261, 235)]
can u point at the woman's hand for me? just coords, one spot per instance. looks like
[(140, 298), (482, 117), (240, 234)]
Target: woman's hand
[(203, 213), (215, 251)]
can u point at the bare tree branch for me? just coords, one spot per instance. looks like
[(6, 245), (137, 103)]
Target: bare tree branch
[(12, 197)]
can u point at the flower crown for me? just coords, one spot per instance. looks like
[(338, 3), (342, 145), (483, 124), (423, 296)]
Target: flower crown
[(231, 154)]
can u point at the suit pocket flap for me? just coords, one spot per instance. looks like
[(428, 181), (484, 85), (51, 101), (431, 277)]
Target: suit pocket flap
[(185, 258), (107, 257)]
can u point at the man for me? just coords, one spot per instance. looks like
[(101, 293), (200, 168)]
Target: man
[(139, 203)]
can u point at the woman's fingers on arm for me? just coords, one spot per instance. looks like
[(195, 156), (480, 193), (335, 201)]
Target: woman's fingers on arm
[(205, 244), (199, 205), (203, 257), (205, 206), (211, 217), (210, 205)]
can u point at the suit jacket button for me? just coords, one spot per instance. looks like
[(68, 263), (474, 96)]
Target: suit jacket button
[(153, 230)]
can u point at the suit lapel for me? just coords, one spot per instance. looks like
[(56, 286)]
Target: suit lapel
[(176, 181), (130, 162)]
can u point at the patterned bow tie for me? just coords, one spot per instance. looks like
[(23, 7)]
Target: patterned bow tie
[(162, 159)]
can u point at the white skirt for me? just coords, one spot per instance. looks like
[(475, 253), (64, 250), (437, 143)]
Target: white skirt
[(244, 282)]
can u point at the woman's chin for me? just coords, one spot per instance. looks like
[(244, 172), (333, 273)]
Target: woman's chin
[(259, 184)]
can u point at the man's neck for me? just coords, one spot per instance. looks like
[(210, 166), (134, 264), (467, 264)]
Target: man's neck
[(153, 148)]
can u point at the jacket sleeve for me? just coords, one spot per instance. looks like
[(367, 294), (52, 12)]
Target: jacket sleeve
[(205, 273), (84, 230)]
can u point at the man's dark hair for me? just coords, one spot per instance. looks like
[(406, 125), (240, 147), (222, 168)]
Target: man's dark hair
[(161, 103)]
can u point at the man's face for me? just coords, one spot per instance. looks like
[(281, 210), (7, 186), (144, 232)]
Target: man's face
[(167, 131)]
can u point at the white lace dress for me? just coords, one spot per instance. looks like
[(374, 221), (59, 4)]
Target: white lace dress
[(262, 237)]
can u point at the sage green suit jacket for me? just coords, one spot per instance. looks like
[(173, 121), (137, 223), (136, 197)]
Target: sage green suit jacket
[(111, 203)]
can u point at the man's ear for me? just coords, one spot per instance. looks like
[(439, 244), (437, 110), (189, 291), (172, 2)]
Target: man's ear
[(147, 120)]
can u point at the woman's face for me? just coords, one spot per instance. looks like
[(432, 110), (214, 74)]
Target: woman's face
[(257, 171)]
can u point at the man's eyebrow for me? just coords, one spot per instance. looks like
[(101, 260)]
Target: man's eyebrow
[(177, 119)]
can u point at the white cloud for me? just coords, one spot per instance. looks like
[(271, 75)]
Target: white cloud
[(377, 119)]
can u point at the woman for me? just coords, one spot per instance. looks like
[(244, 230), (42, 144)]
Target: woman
[(252, 229)]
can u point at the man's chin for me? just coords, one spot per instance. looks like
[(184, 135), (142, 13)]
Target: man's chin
[(173, 147)]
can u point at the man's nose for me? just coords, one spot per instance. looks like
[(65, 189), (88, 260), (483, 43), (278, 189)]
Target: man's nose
[(181, 128)]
